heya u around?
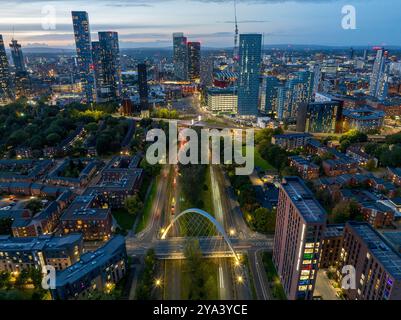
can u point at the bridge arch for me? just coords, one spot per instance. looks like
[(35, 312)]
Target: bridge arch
[(208, 216)]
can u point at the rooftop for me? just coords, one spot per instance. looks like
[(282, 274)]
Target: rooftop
[(304, 200), (82, 208), (90, 261), (380, 248), (45, 242)]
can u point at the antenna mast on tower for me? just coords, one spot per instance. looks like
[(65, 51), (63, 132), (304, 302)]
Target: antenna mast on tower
[(236, 32)]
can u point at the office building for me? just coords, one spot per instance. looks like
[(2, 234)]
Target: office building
[(194, 58), (18, 254), (143, 86), (83, 44), (300, 225), (222, 100), (377, 264), (96, 271), (250, 50), (108, 67), (6, 90), (180, 56), (319, 117)]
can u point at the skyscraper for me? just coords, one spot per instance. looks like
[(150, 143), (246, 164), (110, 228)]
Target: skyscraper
[(22, 78), (180, 56), (297, 240), (270, 88), (6, 91), (379, 78), (98, 68), (83, 44), (206, 73), (111, 89), (250, 51), (317, 77), (194, 56), (143, 86), (18, 57)]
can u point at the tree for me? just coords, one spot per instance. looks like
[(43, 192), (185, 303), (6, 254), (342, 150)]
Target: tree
[(133, 205), (34, 205), (264, 220), (346, 211), (5, 278), (53, 138), (22, 278), (371, 165), (5, 226)]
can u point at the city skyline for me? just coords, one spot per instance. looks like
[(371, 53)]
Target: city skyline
[(151, 23)]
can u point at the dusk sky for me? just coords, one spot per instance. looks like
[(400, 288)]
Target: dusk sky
[(149, 23)]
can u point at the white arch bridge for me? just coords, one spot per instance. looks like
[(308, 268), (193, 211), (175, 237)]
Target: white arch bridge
[(196, 223)]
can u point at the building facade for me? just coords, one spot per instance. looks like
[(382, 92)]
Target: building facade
[(377, 264), (18, 254), (194, 59), (6, 89), (250, 51), (110, 71), (180, 56), (298, 236), (96, 271), (82, 34)]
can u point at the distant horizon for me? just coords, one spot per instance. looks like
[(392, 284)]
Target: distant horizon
[(150, 23), (266, 46)]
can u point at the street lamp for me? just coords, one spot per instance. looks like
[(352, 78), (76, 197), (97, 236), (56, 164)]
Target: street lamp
[(158, 283), (240, 279), (232, 232)]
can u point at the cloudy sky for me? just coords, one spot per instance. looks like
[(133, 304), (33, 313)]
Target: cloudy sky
[(149, 23)]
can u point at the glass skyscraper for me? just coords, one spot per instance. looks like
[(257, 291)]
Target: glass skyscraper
[(143, 86), (378, 80), (6, 91), (111, 89), (180, 56), (194, 61), (250, 51), (83, 44), (18, 57), (270, 88)]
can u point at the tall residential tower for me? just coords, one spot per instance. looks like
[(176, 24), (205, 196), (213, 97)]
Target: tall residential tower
[(180, 56), (83, 44), (250, 52), (6, 91)]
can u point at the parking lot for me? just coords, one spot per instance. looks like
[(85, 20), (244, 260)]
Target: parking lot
[(13, 202)]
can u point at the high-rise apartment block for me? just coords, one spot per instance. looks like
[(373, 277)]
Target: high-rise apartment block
[(180, 56), (6, 90), (194, 57), (250, 51), (83, 43), (297, 241)]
